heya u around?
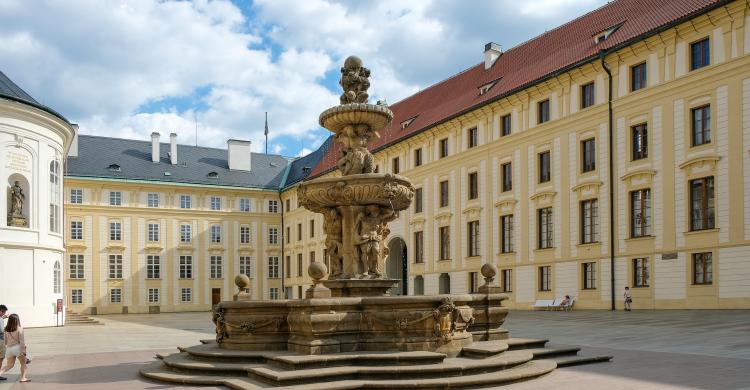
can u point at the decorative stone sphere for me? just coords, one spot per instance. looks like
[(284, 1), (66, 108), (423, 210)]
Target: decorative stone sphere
[(242, 281), (317, 270), (489, 271)]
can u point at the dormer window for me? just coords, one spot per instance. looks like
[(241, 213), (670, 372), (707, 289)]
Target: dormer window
[(213, 175), (114, 168), (486, 88), (407, 122), (603, 35)]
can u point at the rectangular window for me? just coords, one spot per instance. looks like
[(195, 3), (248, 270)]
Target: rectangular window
[(543, 111), (703, 268), (186, 202), (589, 276), (186, 294), (186, 267), (115, 266), (76, 296), (506, 123), (587, 95), (396, 165), (273, 293), (312, 256), (589, 221), (115, 295), (507, 172), (312, 228), (444, 147), (640, 272), (244, 234), (418, 200), (472, 276), (76, 230), (216, 234), (444, 193), (545, 228), (544, 167), (246, 266), (216, 267), (473, 232), (153, 295), (245, 205), (215, 203), (299, 232), (76, 196), (417, 157), (445, 242), (288, 234), (288, 204), (287, 266), (640, 212), (473, 185), (701, 125), (273, 206), (153, 232), (544, 278), (506, 233), (186, 234), (588, 155), (473, 136), (700, 54), (300, 266), (639, 141), (153, 200), (273, 236), (419, 247), (76, 267), (115, 231), (115, 198), (702, 203), (507, 275), (638, 77), (153, 267), (273, 267)]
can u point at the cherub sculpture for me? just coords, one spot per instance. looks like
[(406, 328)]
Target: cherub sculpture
[(354, 81)]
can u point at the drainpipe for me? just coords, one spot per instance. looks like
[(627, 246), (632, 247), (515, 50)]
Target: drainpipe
[(603, 54), (282, 258)]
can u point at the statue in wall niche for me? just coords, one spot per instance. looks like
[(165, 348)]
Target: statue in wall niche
[(17, 199), (332, 227), (354, 81)]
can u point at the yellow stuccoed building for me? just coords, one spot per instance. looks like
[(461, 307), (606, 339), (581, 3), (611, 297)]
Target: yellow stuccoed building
[(613, 148)]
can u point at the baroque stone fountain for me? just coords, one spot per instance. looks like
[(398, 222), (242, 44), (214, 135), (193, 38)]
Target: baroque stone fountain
[(348, 332)]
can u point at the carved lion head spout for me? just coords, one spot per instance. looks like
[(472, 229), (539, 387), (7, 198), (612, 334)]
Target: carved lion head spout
[(354, 81)]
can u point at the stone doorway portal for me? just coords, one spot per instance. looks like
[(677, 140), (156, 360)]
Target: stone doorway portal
[(397, 266)]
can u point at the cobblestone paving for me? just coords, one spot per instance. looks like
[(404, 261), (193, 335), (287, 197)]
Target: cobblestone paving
[(651, 349)]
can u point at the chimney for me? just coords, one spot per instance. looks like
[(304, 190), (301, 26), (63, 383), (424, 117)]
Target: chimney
[(173, 148), (73, 150), (492, 51), (239, 154), (155, 147)]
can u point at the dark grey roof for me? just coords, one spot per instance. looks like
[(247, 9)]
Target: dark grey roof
[(194, 163), (302, 166), (11, 90)]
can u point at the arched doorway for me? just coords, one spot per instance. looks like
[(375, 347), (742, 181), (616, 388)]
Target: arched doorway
[(396, 266)]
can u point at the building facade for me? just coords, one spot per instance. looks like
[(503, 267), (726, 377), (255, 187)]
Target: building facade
[(593, 157)]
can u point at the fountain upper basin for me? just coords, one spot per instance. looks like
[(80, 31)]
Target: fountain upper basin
[(358, 190), (338, 117)]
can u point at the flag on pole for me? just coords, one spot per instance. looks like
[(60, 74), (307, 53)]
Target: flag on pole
[(266, 132)]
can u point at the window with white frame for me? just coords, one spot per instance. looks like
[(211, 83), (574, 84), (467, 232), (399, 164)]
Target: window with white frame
[(153, 295), (57, 278), (76, 196), (115, 198), (76, 230), (589, 276), (76, 265), (153, 267), (273, 206), (640, 212), (244, 234), (216, 234), (245, 205), (246, 266), (186, 202), (473, 236), (506, 233), (216, 267), (273, 293), (153, 200), (215, 203), (273, 235), (589, 221), (273, 267), (54, 197), (544, 228), (115, 266), (115, 231), (153, 232), (186, 267), (76, 296), (115, 295), (186, 294), (186, 233)]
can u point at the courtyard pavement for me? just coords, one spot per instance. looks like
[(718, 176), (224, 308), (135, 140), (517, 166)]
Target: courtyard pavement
[(651, 349)]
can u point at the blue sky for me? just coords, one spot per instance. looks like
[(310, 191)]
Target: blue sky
[(125, 69)]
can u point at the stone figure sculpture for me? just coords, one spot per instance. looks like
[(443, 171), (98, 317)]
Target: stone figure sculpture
[(17, 199), (332, 228), (368, 228), (354, 81)]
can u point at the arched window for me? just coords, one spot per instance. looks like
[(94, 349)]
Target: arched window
[(57, 278), (418, 285), (54, 196), (444, 284)]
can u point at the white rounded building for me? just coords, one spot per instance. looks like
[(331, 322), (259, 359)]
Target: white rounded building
[(34, 140)]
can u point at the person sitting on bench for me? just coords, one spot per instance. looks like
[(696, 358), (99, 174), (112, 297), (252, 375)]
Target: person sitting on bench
[(565, 302)]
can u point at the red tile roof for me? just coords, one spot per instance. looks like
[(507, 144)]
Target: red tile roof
[(529, 63)]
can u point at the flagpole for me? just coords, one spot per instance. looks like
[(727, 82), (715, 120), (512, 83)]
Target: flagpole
[(266, 132)]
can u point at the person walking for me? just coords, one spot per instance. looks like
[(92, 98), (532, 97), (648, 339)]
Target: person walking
[(3, 316), (628, 298), (15, 347)]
